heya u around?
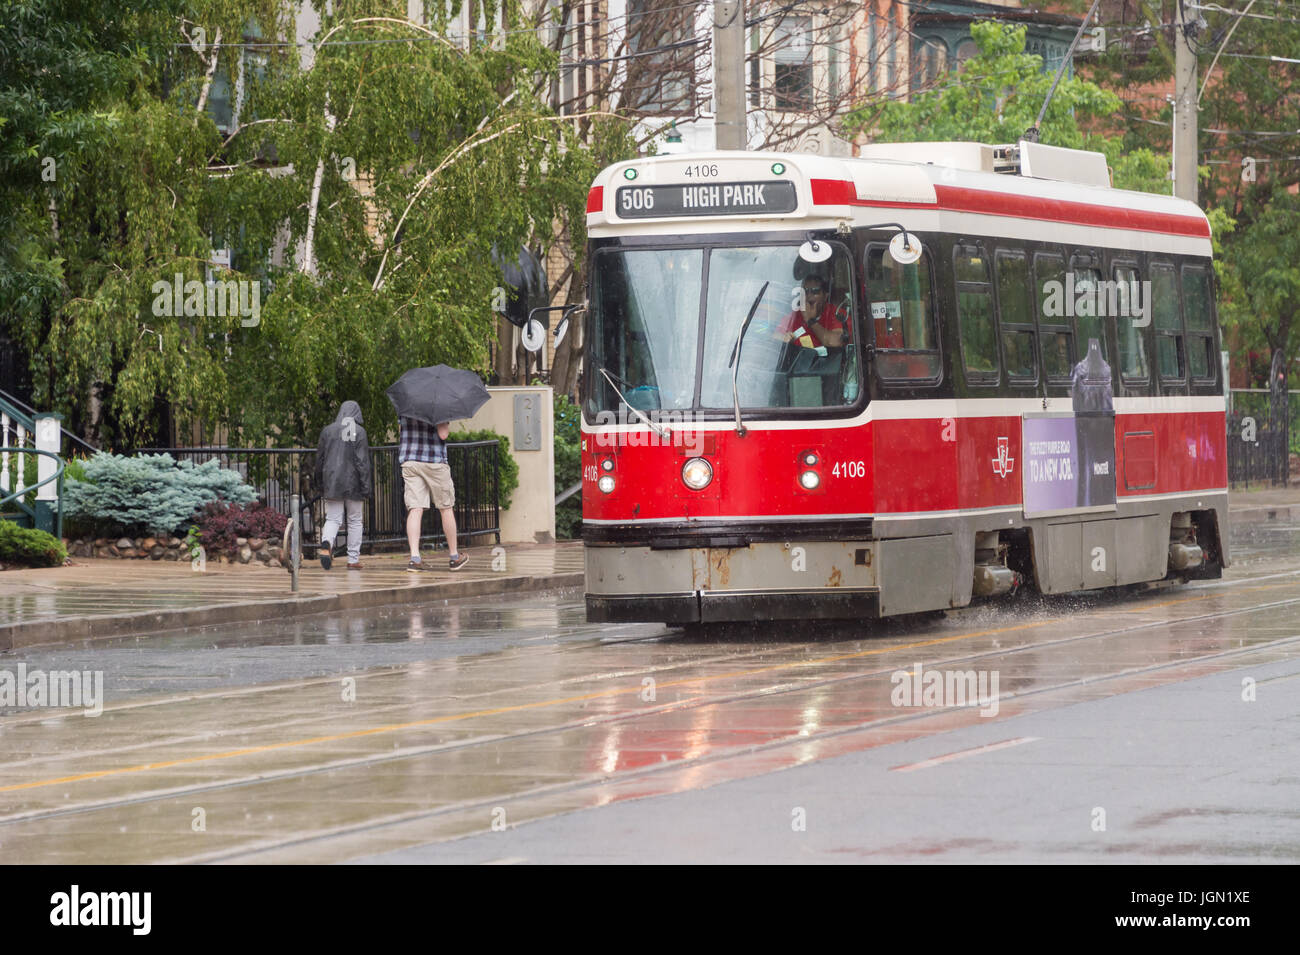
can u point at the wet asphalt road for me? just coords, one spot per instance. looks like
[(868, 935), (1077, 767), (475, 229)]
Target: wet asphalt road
[(509, 729)]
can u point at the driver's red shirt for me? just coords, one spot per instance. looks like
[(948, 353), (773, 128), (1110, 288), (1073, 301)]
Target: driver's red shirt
[(829, 321)]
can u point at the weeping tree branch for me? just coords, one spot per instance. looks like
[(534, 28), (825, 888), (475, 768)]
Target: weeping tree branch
[(207, 79), (467, 146)]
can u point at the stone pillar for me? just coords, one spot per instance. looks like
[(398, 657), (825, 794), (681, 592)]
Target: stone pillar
[(529, 424), (49, 438)]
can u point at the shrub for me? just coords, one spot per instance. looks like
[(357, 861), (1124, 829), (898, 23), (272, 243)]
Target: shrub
[(74, 469), (568, 466), (26, 545), (220, 524), (149, 494), (507, 467)]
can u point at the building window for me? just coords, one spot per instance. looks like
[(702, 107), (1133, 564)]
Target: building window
[(835, 59), (238, 69), (930, 60), (663, 81), (892, 76), (965, 50), (792, 84), (873, 53)]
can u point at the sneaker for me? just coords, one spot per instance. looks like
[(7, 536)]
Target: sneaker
[(326, 557), (354, 566), (415, 564), (458, 561)]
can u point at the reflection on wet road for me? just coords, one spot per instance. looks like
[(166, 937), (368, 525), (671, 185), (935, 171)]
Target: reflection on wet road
[(332, 738)]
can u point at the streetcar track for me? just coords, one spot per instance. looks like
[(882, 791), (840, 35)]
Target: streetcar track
[(401, 669), (736, 752), (397, 669), (36, 716), (648, 711)]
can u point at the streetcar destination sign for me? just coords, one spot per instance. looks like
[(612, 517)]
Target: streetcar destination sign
[(713, 199)]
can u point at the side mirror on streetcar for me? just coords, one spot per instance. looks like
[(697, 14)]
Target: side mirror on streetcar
[(904, 248), (815, 251)]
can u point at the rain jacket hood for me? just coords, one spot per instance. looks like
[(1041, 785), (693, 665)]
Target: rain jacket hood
[(343, 456), (349, 409)]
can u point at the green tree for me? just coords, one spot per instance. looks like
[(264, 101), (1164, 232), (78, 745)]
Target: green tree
[(360, 182), (996, 97), (1247, 109)]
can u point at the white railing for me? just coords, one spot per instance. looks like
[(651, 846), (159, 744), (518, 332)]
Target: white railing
[(13, 434)]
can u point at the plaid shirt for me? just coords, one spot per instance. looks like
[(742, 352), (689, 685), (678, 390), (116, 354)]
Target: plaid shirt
[(420, 442)]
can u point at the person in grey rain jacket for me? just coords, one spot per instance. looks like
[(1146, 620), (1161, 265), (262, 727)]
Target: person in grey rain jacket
[(1091, 393), (343, 474)]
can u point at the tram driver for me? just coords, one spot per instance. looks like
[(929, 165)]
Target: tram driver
[(818, 322)]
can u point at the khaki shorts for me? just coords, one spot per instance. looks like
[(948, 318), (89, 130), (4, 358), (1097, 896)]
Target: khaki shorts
[(424, 481)]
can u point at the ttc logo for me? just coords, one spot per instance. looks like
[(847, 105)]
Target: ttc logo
[(1002, 464)]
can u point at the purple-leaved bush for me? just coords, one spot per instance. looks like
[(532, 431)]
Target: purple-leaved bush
[(220, 524)]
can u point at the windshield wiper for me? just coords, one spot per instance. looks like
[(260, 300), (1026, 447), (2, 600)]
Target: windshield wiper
[(658, 430), (734, 364)]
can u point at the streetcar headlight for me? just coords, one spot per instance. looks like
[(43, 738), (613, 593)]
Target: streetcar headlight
[(810, 459), (606, 483), (607, 464), (810, 480), (697, 473)]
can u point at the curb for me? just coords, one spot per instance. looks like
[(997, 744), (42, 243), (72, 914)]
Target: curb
[(1262, 513), (75, 629)]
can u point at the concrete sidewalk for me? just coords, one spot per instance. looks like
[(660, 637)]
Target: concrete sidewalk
[(92, 599), (1268, 504)]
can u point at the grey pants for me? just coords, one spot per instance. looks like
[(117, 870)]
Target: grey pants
[(334, 520)]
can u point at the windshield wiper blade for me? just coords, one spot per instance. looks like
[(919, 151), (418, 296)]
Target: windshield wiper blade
[(734, 364), (657, 429)]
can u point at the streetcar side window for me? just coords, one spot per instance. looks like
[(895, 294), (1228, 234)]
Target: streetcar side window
[(1197, 305), (1167, 321), (979, 342), (1088, 298), (1053, 320), (902, 316), (1016, 317), (1132, 308)]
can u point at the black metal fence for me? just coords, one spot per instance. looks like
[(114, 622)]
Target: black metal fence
[(277, 473), (1260, 439)]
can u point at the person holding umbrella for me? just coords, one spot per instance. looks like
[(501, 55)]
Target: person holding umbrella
[(426, 401)]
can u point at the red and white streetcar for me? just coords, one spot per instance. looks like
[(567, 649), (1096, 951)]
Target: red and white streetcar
[(847, 388)]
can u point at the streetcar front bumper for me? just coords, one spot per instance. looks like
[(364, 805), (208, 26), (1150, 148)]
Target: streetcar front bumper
[(762, 581)]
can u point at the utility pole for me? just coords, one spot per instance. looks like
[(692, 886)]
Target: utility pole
[(729, 73), (1185, 149)]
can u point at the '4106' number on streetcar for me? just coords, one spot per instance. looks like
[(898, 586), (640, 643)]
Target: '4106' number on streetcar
[(849, 469)]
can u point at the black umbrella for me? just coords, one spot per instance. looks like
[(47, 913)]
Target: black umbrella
[(526, 277), (437, 394)]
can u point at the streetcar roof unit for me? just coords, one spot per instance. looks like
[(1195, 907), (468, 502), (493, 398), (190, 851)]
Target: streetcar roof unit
[(1029, 191)]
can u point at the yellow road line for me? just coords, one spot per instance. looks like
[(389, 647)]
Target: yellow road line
[(520, 707)]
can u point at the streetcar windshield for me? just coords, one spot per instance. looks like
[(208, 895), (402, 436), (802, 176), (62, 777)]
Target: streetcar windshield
[(651, 309)]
